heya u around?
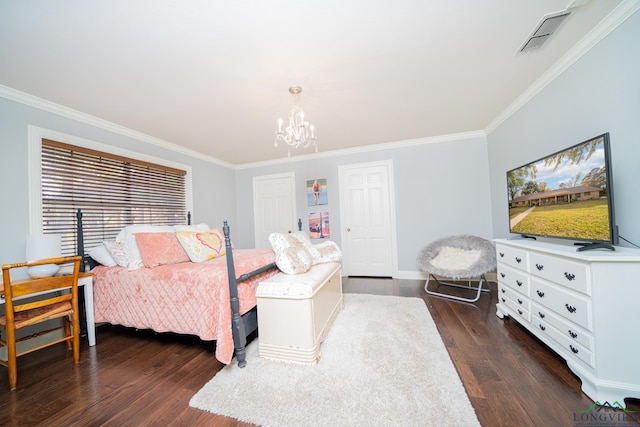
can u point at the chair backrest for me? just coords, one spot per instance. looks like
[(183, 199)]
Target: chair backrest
[(15, 291), (22, 311)]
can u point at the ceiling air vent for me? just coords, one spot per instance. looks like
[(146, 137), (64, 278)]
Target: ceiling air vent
[(545, 29)]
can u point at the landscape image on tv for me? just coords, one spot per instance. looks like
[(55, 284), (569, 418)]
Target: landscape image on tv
[(563, 195)]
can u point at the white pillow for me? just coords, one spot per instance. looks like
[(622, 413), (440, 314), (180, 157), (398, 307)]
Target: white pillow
[(305, 241), (291, 255), (196, 228), (451, 258), (329, 252), (293, 260), (102, 255)]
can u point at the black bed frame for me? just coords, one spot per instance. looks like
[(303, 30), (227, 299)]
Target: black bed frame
[(242, 325)]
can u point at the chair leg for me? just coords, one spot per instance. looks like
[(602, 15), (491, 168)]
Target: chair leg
[(76, 337), (479, 290), (12, 362), (67, 330)]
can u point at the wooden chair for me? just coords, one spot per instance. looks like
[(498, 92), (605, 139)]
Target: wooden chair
[(22, 311)]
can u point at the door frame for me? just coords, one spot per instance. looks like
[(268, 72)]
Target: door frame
[(388, 165)]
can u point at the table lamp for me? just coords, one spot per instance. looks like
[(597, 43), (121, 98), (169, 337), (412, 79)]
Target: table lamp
[(41, 246)]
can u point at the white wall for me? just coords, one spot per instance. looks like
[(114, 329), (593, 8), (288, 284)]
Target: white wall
[(599, 93), (441, 188)]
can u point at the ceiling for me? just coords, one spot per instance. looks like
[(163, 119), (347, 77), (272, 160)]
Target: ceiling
[(213, 76)]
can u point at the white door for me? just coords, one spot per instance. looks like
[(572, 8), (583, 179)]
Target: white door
[(367, 215), (274, 206)]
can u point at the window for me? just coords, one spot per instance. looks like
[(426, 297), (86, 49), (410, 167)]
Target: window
[(111, 190)]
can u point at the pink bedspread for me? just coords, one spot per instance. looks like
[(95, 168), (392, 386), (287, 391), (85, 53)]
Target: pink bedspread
[(186, 298)]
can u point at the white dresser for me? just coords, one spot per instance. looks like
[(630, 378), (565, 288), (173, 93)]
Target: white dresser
[(583, 305)]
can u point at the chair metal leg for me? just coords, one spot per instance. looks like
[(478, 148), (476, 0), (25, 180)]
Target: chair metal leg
[(479, 289)]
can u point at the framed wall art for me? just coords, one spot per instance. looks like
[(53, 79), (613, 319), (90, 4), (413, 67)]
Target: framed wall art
[(317, 192), (319, 225)]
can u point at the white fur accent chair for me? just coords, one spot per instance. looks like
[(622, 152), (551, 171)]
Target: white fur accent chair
[(458, 257)]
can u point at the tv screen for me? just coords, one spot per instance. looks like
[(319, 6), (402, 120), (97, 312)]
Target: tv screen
[(567, 195)]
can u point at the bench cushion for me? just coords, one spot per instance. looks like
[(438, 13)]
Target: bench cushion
[(298, 286)]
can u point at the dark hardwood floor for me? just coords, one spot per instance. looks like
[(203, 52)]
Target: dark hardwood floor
[(143, 379)]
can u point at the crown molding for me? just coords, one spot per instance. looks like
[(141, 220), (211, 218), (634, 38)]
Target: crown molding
[(61, 110), (42, 104), (617, 16), (368, 149)]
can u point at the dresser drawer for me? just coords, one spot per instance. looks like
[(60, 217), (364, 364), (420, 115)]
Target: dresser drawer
[(515, 279), (572, 275), (516, 308), (516, 297), (570, 330), (567, 304), (571, 349), (513, 257)]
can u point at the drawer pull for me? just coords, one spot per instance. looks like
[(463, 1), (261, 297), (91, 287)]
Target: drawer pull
[(572, 334), (520, 311), (539, 267), (575, 350), (503, 275), (503, 300), (569, 276), (520, 301), (541, 314), (501, 254), (503, 291), (540, 293), (518, 260), (542, 326), (570, 308), (519, 282)]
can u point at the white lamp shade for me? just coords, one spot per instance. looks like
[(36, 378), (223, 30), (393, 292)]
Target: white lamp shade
[(42, 246)]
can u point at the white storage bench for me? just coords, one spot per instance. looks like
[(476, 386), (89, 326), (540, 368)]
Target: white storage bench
[(296, 311)]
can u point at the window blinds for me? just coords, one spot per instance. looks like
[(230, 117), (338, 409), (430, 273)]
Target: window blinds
[(112, 192)]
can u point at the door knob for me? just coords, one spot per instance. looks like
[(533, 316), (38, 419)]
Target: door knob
[(348, 229)]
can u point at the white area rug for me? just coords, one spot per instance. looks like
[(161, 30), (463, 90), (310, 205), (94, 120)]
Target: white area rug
[(382, 364)]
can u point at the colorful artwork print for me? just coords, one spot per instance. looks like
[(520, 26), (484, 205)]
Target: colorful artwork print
[(319, 225), (317, 192)]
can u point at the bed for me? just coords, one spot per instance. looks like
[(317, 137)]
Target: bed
[(213, 299)]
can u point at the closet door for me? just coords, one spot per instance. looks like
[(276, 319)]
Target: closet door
[(274, 206), (368, 220)]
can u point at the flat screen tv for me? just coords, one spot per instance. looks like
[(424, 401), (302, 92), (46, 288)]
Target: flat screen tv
[(566, 195)]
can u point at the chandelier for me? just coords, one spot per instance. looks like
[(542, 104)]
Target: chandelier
[(299, 133)]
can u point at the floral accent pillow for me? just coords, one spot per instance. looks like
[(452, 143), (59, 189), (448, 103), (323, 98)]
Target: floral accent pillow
[(293, 260), (305, 241), (117, 252), (329, 252), (160, 249), (291, 255), (202, 246)]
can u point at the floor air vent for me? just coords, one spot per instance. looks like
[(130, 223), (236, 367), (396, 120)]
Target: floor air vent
[(545, 29)]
